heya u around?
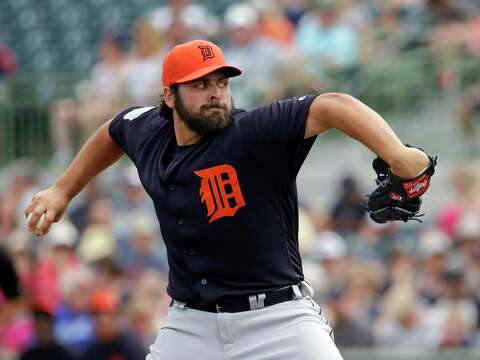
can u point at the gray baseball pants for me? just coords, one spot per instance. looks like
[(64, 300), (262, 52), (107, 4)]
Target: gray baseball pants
[(291, 330)]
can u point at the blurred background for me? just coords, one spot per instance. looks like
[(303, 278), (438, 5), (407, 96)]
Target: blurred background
[(97, 281)]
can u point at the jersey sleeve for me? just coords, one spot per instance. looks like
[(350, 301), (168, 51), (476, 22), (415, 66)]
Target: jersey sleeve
[(276, 135), (130, 128)]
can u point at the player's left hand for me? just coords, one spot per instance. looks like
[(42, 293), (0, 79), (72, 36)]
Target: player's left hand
[(396, 198)]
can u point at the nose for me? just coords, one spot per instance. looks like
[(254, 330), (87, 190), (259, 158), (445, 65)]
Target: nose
[(215, 94)]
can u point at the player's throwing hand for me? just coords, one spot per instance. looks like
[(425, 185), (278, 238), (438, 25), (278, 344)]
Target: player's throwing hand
[(46, 207)]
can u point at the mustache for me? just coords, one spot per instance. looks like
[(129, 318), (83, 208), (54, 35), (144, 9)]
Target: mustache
[(222, 106)]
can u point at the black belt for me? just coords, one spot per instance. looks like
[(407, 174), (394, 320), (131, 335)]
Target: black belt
[(254, 302)]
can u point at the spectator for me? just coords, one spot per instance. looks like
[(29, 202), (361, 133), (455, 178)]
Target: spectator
[(447, 28), (294, 10), (330, 43), (46, 347), (456, 314), (402, 322), (63, 238), (362, 289), (100, 97), (111, 341), (148, 305), (98, 240), (8, 221), (9, 286), (349, 332), (467, 238), (56, 257), (80, 211), (143, 73), (273, 23), (306, 229), (465, 183), (20, 247), (329, 254), (432, 250), (73, 324), (108, 275), (23, 185), (262, 59), (348, 212), (8, 62), (182, 21), (144, 251), (468, 110), (15, 330), (8, 66), (130, 201), (467, 235)]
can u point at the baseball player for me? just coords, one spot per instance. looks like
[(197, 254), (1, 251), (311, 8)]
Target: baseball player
[(222, 181)]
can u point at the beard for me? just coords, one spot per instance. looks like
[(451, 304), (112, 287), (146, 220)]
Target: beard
[(208, 120)]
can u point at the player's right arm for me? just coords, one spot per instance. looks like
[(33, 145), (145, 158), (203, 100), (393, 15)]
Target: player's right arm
[(99, 152)]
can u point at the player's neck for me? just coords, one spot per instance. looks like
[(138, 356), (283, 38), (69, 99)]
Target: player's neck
[(183, 134)]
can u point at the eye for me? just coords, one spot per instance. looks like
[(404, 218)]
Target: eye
[(200, 85), (223, 83)]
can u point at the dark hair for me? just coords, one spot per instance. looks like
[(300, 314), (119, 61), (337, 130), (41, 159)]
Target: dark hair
[(166, 111), (116, 37)]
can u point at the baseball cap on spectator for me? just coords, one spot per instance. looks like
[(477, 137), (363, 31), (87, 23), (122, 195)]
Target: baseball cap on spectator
[(37, 307), (96, 243), (74, 279), (104, 300), (433, 242), (468, 227), (18, 241), (193, 60), (241, 15), (63, 233), (143, 224), (398, 301), (195, 16), (161, 18), (117, 38), (455, 266), (328, 246)]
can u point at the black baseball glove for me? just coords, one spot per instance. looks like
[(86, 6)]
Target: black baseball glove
[(396, 198)]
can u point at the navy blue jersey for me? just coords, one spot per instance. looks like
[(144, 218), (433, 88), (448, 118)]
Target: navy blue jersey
[(227, 206)]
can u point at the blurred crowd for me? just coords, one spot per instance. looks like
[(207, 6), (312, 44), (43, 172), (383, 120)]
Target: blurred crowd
[(94, 287), (284, 48), (396, 286)]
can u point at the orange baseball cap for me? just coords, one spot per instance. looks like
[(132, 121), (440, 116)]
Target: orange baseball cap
[(192, 60), (104, 300)]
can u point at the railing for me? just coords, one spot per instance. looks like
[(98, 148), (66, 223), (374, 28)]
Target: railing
[(24, 114), (24, 132)]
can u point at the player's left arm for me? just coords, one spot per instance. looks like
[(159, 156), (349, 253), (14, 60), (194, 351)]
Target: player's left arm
[(355, 119)]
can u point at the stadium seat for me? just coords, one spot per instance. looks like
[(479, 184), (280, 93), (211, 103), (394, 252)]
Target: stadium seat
[(46, 26), (28, 18)]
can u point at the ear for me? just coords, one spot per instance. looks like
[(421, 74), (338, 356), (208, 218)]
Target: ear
[(168, 97)]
